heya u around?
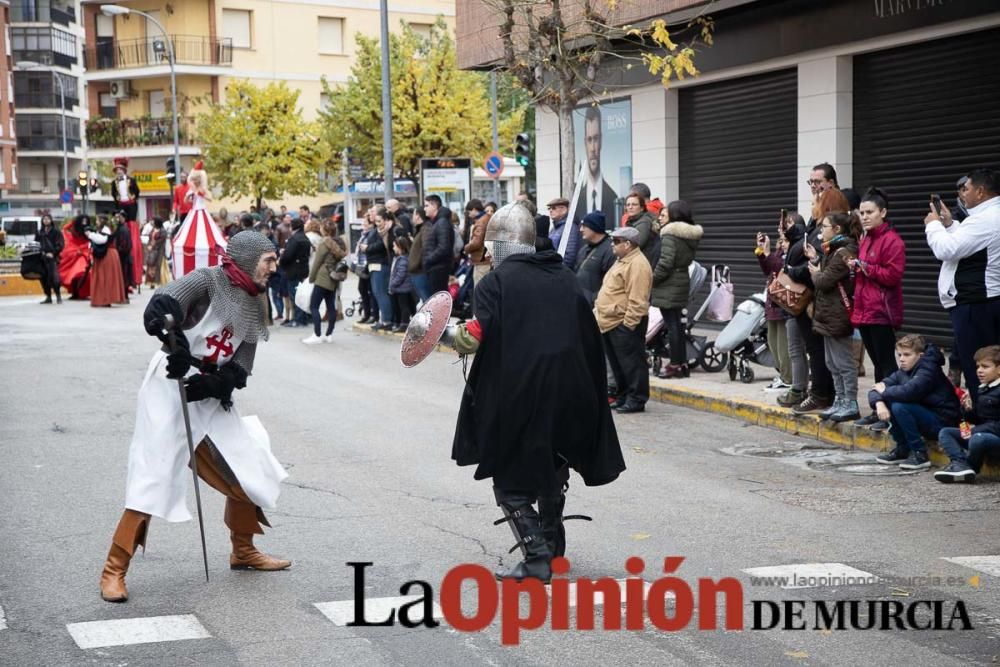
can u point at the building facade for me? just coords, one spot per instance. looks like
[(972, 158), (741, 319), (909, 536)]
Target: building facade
[(8, 136), (900, 95), (217, 41)]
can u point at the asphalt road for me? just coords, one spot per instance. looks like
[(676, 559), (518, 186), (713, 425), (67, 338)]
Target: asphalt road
[(367, 446)]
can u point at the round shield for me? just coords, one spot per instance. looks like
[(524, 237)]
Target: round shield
[(425, 330)]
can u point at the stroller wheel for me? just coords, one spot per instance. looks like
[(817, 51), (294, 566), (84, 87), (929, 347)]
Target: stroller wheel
[(732, 368), (713, 361), (349, 312), (746, 373)]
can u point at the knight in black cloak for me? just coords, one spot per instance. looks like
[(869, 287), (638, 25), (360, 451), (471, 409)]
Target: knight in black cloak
[(535, 404)]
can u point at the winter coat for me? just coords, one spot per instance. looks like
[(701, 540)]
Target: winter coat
[(439, 243), (796, 262), (376, 252), (475, 248), (830, 316), (624, 295), (592, 264), (926, 384), (50, 241), (416, 263), (649, 238), (678, 245), (295, 257), (654, 206), (399, 278), (770, 266), (988, 409), (572, 242), (878, 281), (328, 255)]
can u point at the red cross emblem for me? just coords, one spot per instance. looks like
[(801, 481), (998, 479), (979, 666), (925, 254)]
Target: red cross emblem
[(220, 345)]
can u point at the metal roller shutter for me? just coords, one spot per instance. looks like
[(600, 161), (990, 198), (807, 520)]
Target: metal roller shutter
[(738, 153), (923, 116)]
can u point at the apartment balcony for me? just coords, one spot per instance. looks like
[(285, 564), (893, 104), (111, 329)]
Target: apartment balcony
[(145, 58), (42, 11), (42, 101), (140, 137), (45, 45)]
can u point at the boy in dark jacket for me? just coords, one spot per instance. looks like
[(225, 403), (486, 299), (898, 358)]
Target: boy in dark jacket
[(918, 400), (967, 457)]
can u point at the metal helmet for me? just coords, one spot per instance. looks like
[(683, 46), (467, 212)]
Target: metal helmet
[(512, 222)]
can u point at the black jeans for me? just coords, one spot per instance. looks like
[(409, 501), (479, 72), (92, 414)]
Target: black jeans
[(975, 325), (626, 352), (675, 332), (821, 381), (50, 276), (369, 307), (880, 344), (402, 307), (318, 296), (437, 279)]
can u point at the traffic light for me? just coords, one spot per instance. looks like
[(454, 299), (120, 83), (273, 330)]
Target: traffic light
[(81, 181), (522, 149), (171, 171)]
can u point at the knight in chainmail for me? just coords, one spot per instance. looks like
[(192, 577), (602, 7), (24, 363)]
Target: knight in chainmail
[(535, 405), (209, 322)]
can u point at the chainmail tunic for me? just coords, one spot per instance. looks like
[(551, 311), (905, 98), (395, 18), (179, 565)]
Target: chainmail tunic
[(501, 250)]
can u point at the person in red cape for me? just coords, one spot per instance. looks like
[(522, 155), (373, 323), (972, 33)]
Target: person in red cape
[(76, 258)]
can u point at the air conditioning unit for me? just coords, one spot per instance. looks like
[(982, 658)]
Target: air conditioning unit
[(120, 89)]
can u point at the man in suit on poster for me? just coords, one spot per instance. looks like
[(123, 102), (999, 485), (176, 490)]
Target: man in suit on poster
[(596, 194)]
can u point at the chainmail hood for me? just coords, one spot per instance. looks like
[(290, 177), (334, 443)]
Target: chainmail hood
[(246, 248), (501, 250)]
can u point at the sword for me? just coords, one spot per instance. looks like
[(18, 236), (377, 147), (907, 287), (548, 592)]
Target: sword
[(172, 344)]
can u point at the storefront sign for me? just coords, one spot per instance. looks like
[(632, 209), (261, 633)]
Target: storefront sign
[(151, 181)]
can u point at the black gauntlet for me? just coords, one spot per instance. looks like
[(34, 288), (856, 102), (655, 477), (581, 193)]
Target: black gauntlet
[(219, 384)]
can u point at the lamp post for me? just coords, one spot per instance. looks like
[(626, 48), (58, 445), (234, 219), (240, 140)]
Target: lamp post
[(30, 64), (390, 190), (118, 10)]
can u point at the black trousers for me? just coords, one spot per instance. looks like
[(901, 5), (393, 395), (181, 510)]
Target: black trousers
[(368, 305), (50, 276), (821, 384), (675, 331), (626, 352), (437, 279), (402, 307), (976, 325), (880, 344)]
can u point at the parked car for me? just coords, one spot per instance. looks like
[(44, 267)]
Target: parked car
[(22, 229)]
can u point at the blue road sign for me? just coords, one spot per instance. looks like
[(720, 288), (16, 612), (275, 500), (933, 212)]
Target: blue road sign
[(66, 197), (493, 165)]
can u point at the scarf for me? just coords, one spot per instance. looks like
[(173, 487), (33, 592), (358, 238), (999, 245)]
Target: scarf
[(237, 276)]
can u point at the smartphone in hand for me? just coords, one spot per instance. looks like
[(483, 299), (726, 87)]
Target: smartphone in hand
[(936, 203)]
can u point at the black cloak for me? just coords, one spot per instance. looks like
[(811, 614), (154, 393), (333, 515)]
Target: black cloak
[(538, 387)]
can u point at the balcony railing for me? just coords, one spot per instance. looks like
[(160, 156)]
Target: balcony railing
[(39, 142), (41, 11), (42, 101), (132, 132), (188, 50)]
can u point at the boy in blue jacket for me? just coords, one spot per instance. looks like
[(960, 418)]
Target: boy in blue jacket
[(967, 457), (918, 400)]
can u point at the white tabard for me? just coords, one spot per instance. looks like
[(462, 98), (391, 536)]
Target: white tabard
[(158, 472)]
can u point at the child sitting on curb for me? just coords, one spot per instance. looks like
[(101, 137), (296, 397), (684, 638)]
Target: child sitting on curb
[(967, 458), (918, 400)]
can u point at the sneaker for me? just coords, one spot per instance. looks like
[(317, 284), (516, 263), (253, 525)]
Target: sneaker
[(327, 338), (790, 398), (867, 420), (313, 340), (916, 461), (879, 426), (811, 404), (891, 458), (848, 412), (777, 385), (956, 471)]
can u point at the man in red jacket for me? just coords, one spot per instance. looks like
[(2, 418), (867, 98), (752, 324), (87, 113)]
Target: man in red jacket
[(181, 204)]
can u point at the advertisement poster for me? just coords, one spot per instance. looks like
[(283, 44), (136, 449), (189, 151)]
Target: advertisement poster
[(448, 178), (604, 156)]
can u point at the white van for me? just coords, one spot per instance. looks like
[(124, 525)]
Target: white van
[(21, 229)]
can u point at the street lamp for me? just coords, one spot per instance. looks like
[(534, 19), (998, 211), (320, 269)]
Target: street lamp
[(118, 10), (30, 64)]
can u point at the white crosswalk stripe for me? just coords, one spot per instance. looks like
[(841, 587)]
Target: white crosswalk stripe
[(126, 631), (986, 564), (812, 575), (341, 612), (3, 619)]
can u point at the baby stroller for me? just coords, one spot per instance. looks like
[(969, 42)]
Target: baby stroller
[(700, 351), (461, 291), (745, 338)]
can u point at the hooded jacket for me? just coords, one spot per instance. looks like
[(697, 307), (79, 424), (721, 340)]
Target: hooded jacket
[(926, 384), (439, 243), (878, 286), (592, 263), (830, 316), (678, 245), (649, 238)]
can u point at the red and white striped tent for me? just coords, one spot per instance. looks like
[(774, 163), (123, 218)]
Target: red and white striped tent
[(194, 244)]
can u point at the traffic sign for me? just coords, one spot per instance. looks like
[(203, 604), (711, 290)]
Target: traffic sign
[(493, 165), (66, 197)]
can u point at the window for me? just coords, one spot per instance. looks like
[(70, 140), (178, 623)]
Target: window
[(421, 29), (109, 106), (331, 35), (236, 25), (324, 101)]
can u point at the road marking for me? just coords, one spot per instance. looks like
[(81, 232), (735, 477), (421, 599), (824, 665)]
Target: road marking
[(122, 632), (813, 575), (341, 612), (987, 564), (3, 619)]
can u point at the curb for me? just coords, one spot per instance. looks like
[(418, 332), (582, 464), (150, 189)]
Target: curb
[(15, 285), (762, 414)]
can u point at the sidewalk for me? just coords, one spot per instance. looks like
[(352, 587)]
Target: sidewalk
[(714, 392)]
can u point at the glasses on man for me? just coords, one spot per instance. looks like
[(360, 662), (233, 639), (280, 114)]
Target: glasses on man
[(814, 181)]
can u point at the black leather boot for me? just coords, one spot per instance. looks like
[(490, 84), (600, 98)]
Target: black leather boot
[(550, 513), (519, 512)]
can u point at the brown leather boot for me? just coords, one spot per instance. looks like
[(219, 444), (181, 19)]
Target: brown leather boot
[(131, 532), (244, 520)]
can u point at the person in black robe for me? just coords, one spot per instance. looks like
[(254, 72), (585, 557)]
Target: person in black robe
[(535, 404), (123, 244)]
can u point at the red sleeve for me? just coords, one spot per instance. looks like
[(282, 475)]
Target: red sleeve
[(474, 328)]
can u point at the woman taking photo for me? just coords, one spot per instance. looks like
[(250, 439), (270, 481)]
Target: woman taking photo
[(878, 292), (329, 252), (379, 254), (770, 262), (679, 238)]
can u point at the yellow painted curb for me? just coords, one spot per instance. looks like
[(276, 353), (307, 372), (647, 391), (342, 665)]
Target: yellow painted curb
[(15, 285)]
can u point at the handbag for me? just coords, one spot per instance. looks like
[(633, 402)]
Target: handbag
[(791, 296), (339, 272), (720, 300)]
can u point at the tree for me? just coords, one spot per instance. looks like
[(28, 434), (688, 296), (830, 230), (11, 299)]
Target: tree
[(556, 51), (257, 144), (437, 109)]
